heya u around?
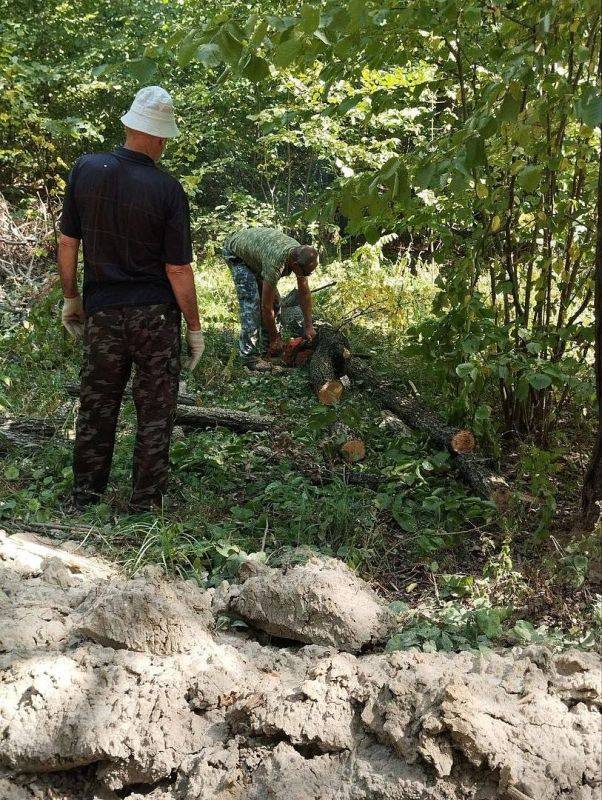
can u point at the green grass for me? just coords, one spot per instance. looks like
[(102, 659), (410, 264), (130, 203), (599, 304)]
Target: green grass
[(229, 498)]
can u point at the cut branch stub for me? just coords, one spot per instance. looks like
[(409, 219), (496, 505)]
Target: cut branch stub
[(330, 392), (353, 450), (462, 441)]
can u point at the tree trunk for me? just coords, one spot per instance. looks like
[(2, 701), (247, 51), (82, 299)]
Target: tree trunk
[(198, 417), (592, 484), (328, 365), (238, 421)]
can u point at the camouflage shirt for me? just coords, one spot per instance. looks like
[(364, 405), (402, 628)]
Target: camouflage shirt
[(264, 250)]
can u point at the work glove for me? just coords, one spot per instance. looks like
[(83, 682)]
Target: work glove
[(196, 347), (72, 316)]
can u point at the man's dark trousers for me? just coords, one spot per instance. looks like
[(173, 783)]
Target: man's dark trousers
[(147, 337)]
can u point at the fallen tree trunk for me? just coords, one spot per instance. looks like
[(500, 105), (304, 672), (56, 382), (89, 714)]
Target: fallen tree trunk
[(292, 298), (183, 398), (239, 421), (418, 417), (193, 416), (27, 432)]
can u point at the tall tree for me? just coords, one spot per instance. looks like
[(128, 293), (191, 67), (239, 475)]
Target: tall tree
[(592, 485)]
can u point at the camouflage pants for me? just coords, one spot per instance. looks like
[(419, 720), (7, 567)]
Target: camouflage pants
[(253, 339), (114, 340)]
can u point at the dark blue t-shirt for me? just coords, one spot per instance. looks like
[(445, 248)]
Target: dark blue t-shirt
[(133, 219)]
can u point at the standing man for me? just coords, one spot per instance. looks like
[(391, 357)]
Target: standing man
[(258, 258), (134, 223)]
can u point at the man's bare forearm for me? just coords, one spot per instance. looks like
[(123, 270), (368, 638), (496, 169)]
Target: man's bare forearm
[(268, 317), (305, 300), (67, 263), (306, 306), (181, 279)]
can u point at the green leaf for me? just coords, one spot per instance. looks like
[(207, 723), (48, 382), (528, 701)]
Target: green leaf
[(210, 55), (141, 68), (99, 70), (589, 109), (230, 46), (176, 38), (319, 34), (187, 49), (483, 412), (11, 473), (424, 176), (398, 607), (529, 178), (287, 52), (475, 152), (259, 34), (255, 68), (466, 370), (509, 109), (489, 622), (524, 630), (310, 18), (539, 380)]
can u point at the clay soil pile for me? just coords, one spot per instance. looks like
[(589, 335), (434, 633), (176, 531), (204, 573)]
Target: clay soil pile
[(113, 688)]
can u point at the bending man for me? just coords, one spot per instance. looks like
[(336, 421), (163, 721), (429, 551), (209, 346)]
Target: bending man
[(258, 258), (133, 220)]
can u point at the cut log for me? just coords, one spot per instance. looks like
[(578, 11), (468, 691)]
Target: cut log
[(346, 442), (353, 450), (203, 417), (330, 392), (328, 364), (418, 417)]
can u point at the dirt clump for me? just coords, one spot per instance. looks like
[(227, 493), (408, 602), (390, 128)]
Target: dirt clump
[(127, 688), (319, 602)]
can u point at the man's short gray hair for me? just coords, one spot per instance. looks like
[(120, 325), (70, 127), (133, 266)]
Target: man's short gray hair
[(305, 256)]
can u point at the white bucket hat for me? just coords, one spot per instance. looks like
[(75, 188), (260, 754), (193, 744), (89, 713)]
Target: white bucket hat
[(152, 113)]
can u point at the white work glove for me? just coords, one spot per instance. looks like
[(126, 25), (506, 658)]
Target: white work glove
[(72, 316), (196, 346)]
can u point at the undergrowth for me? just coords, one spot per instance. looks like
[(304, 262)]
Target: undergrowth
[(469, 578)]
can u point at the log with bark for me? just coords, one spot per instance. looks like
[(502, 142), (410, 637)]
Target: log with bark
[(418, 417), (290, 311), (188, 414), (328, 365), (27, 432)]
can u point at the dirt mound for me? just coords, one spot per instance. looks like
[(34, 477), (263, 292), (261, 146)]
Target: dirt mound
[(113, 688), (320, 602)]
